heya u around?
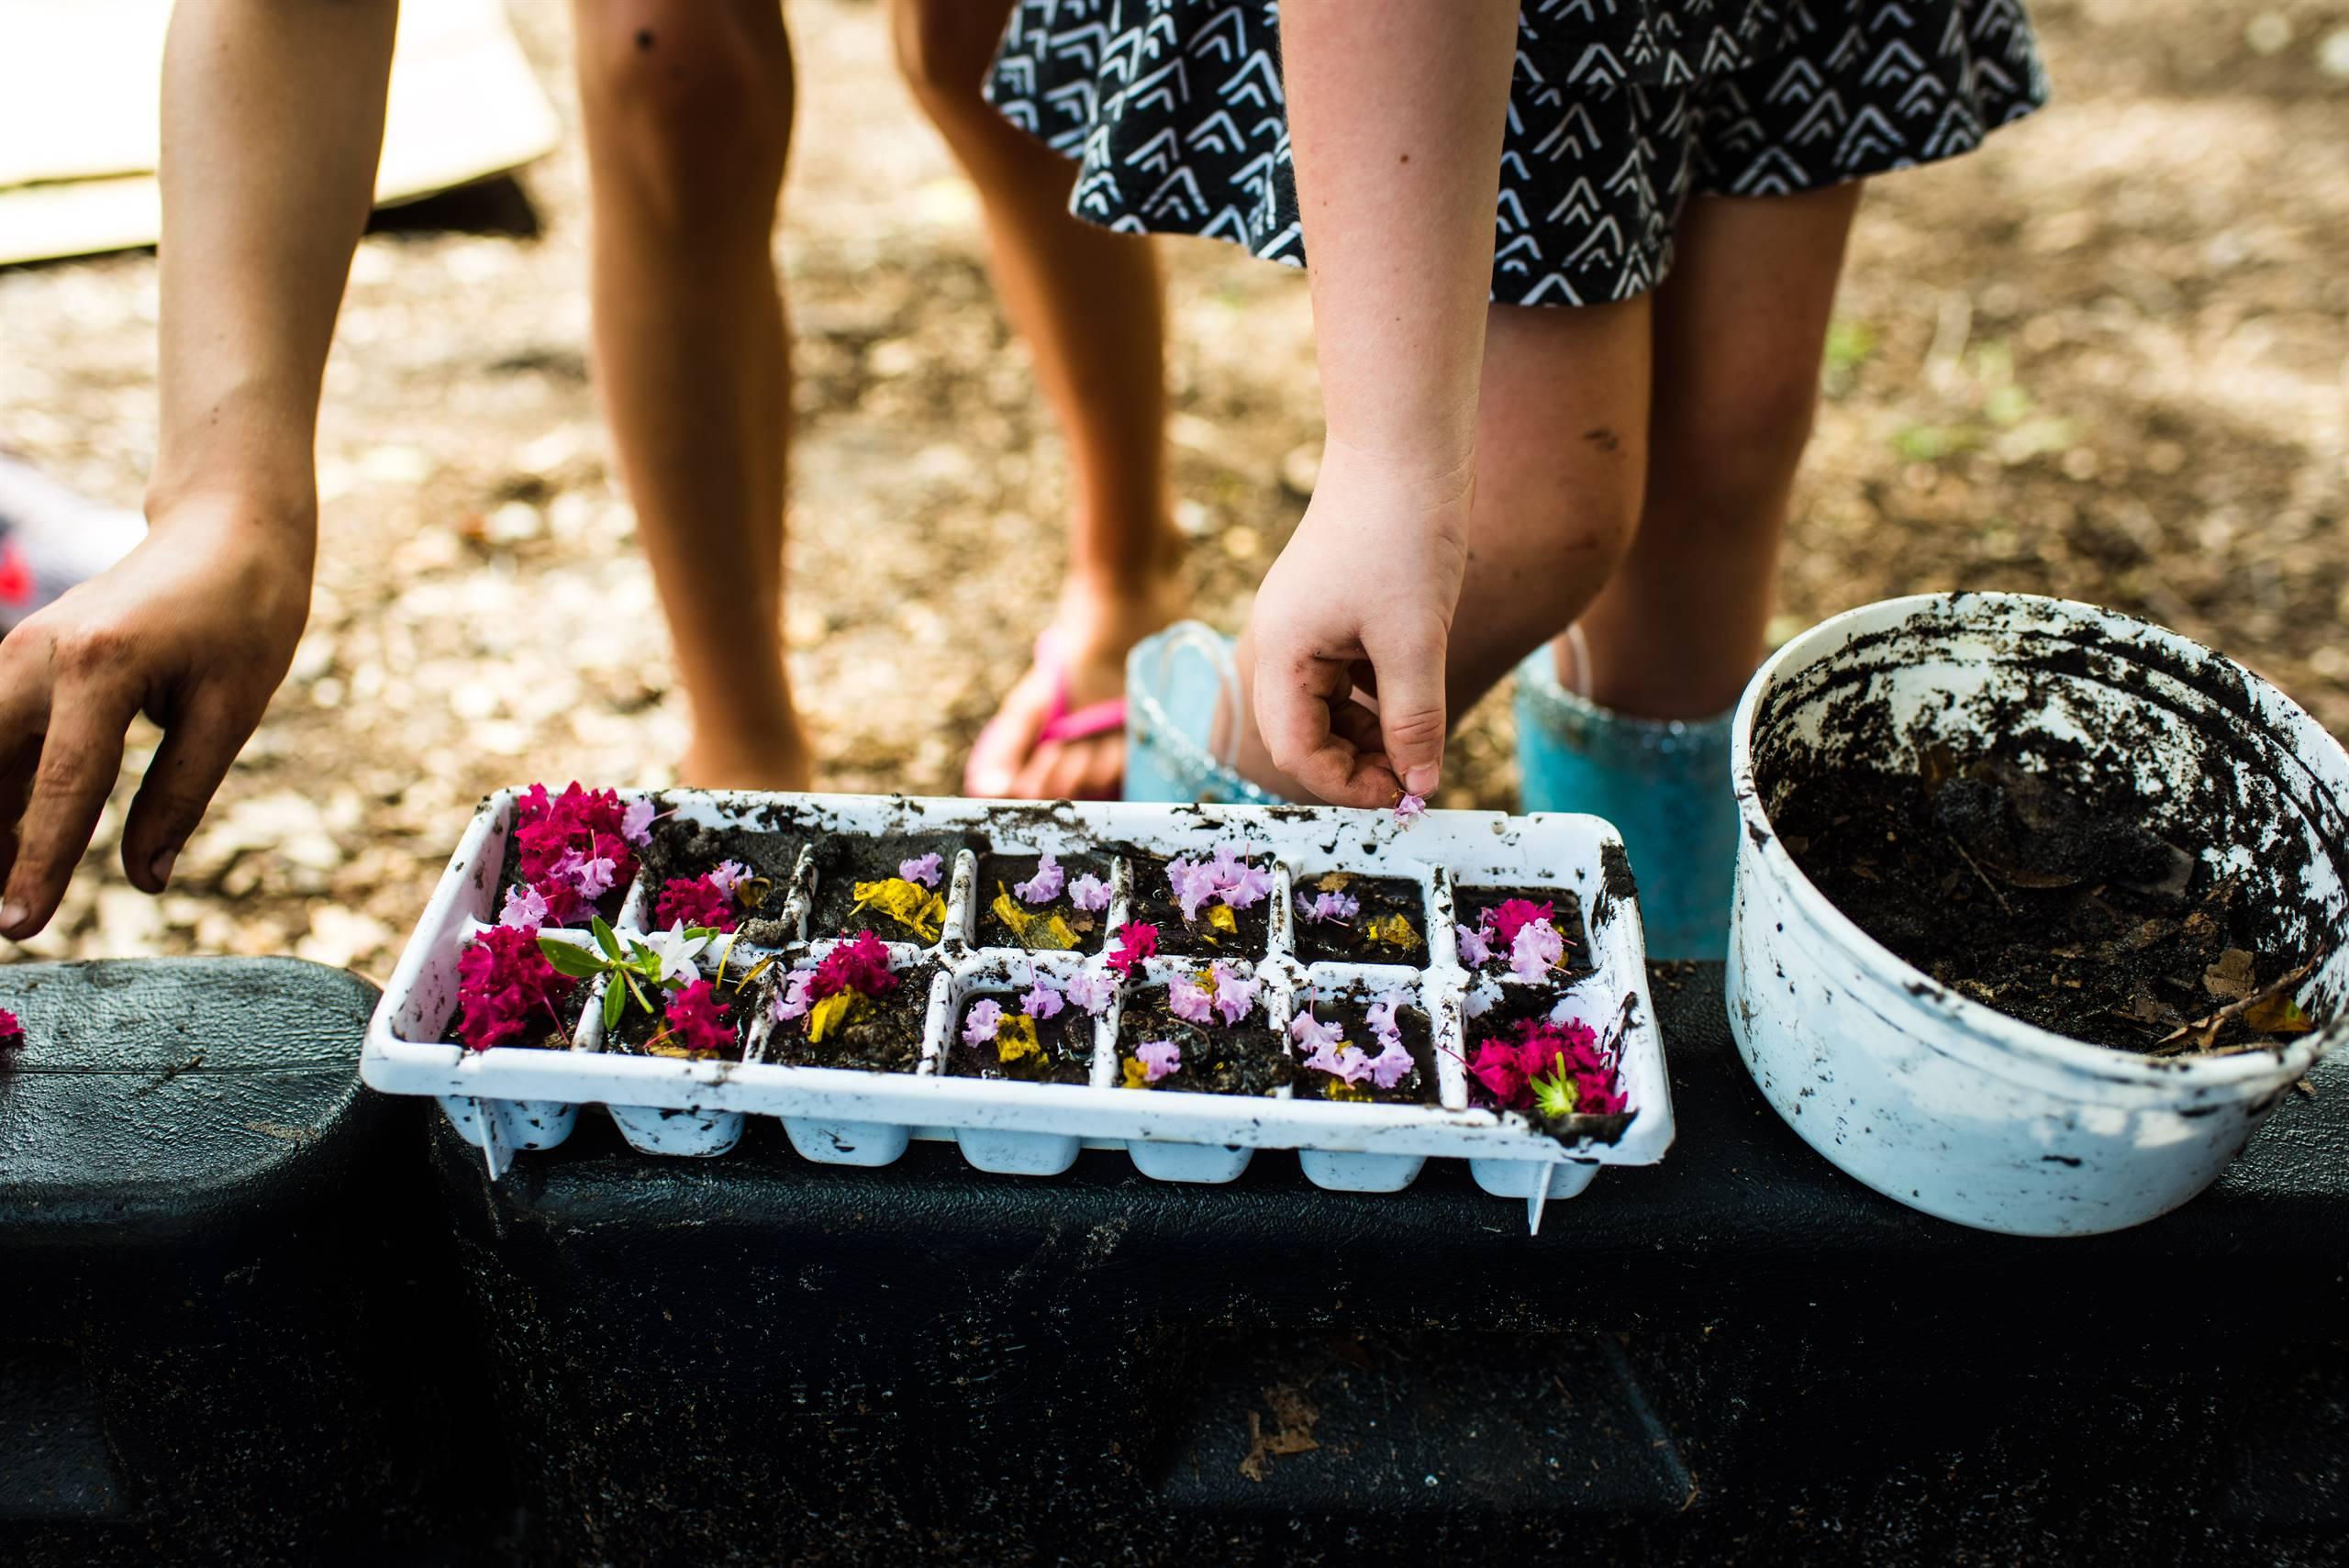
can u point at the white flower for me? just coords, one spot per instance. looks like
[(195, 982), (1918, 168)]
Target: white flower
[(675, 950)]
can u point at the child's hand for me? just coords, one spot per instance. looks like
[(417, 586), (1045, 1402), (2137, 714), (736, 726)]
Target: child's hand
[(1360, 605), (195, 628)]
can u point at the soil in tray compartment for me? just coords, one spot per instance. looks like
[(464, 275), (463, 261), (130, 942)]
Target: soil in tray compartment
[(691, 849), (2066, 911), (1390, 924), (1419, 1088), (1471, 904), (999, 874), (1154, 903), (640, 1033), (843, 860), (1246, 1059), (1062, 1052), (884, 1037)]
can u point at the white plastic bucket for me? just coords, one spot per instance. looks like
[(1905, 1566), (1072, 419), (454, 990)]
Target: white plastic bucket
[(1930, 1097)]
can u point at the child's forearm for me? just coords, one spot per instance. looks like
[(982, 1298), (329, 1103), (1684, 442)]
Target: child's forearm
[(272, 124), (1397, 110)]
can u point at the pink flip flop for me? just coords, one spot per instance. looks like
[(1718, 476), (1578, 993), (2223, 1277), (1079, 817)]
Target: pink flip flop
[(1063, 723)]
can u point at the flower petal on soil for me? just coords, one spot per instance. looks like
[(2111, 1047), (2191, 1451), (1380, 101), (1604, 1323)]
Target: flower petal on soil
[(1158, 1058), (1090, 893), (979, 1024), (921, 869), (1045, 885)]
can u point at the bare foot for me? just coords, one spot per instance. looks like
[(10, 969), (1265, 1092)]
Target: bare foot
[(1093, 630)]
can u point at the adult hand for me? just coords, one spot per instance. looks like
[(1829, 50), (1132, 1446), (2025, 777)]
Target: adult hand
[(194, 628), (1351, 625)]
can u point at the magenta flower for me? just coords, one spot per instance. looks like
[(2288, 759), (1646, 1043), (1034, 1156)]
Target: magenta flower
[(1158, 1058), (1091, 992), (1137, 940), (1392, 1065), (1041, 1002), (1536, 950), (1315, 1035), (526, 909), (12, 1030), (1189, 1000), (985, 1017), (1234, 992), (636, 822), (1474, 949), (697, 1018), (1513, 915), (922, 869), (1090, 893), (794, 1000), (1408, 810), (1045, 885)]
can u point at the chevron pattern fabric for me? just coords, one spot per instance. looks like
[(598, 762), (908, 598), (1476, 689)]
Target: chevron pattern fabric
[(1619, 111)]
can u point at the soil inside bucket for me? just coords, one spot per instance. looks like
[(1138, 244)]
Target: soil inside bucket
[(883, 1036), (1244, 1059), (693, 849), (1389, 925), (1152, 902), (999, 874), (843, 861), (1062, 1053), (1418, 1088), (2053, 900)]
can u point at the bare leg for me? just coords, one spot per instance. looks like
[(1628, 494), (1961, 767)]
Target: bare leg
[(1562, 460), (1740, 328), (1088, 302), (688, 109)]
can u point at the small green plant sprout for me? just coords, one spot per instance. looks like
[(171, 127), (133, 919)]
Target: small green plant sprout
[(664, 961)]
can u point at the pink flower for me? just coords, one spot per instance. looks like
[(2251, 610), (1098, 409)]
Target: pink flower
[(1474, 949), (1189, 1000), (1247, 888), (697, 1018), (1345, 1062), (1091, 991), (586, 825), (794, 1000), (984, 1020), (1045, 885), (1090, 893), (1136, 940), (861, 966), (1193, 885), (1158, 1058), (526, 909), (1392, 1065), (1536, 950), (1408, 810), (636, 821), (1498, 1068), (1042, 1001), (590, 876), (1312, 1034), (1340, 906), (12, 1030), (922, 869), (727, 876), (1379, 1017), (506, 989), (1234, 992), (695, 901), (1513, 915)]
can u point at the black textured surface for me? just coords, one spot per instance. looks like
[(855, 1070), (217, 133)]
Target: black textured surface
[(752, 1358), (217, 1262)]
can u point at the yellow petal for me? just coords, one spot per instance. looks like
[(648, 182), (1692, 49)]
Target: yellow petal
[(1034, 932), (1015, 1038), (912, 905), (1137, 1075), (1009, 911), (1221, 918), (1338, 1089), (830, 1014), (1394, 931)]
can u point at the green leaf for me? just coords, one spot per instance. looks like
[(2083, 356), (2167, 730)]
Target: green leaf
[(574, 961), (604, 937), (615, 1004)]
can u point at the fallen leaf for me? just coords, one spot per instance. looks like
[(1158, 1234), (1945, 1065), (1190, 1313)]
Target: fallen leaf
[(2277, 1015), (2234, 976)]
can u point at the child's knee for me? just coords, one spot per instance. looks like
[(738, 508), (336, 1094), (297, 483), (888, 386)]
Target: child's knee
[(692, 97), (1741, 441)]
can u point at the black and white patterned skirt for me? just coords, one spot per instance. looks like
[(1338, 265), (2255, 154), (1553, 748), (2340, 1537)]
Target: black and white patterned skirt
[(1621, 110)]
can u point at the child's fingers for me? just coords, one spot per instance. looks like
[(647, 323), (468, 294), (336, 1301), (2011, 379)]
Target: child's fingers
[(199, 745), (80, 755), (1409, 661)]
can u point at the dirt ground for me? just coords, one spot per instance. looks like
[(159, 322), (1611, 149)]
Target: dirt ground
[(2109, 357)]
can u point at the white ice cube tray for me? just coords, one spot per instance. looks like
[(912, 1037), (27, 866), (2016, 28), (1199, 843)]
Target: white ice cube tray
[(516, 1098)]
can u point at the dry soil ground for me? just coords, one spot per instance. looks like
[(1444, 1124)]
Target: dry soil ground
[(2105, 358)]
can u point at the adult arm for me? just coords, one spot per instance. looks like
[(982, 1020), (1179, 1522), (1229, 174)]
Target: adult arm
[(1397, 110), (272, 123)]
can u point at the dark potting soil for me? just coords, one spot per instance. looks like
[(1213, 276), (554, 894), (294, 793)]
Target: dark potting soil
[(2052, 902), (1246, 1059), (1152, 903), (1419, 1038), (509, 874), (1371, 935), (1064, 1053), (883, 1038), (843, 860), (690, 849), (1470, 904), (638, 1030), (999, 874)]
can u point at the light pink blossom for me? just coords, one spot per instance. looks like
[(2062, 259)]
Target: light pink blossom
[(1158, 1058), (526, 909), (1193, 885), (1340, 906), (922, 869), (636, 822), (1379, 1017), (1312, 1034), (728, 876), (591, 876), (1042, 1001), (1474, 949), (1045, 885), (985, 1018), (1248, 887), (1092, 991), (793, 1001), (1234, 992), (1090, 893), (1392, 1065), (1537, 950), (1408, 810), (1189, 1000)]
